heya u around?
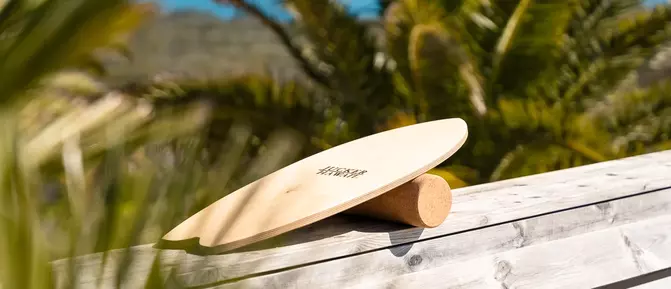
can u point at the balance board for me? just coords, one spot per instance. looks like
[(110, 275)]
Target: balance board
[(349, 178)]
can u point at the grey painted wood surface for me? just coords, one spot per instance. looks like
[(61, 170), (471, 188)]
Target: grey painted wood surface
[(579, 248), (515, 218)]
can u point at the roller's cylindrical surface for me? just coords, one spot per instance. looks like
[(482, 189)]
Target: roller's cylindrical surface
[(423, 202)]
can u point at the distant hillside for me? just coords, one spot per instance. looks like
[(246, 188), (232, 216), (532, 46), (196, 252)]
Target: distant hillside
[(199, 44)]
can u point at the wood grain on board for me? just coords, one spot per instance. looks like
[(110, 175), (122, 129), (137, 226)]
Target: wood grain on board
[(473, 208)]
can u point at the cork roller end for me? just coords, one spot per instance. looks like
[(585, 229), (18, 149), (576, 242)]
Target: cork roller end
[(423, 202)]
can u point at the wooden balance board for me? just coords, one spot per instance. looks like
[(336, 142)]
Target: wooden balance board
[(382, 175)]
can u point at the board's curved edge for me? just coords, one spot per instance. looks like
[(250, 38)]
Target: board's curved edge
[(194, 245)]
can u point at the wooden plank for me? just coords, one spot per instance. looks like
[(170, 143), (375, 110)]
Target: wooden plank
[(579, 248), (474, 207)]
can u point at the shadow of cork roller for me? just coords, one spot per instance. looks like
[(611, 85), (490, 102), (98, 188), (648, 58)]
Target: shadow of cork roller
[(424, 202)]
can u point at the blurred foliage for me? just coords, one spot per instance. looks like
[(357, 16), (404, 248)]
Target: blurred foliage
[(89, 168), (48, 136), (85, 167), (538, 82), (257, 100)]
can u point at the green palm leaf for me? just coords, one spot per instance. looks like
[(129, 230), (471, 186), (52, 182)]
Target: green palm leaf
[(341, 43), (69, 32), (535, 33), (39, 39), (594, 70), (433, 67), (539, 68), (638, 120), (429, 53), (258, 99), (537, 157)]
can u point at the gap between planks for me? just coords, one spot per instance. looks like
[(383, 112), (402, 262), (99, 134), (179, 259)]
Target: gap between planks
[(660, 279), (664, 283), (474, 207), (580, 248)]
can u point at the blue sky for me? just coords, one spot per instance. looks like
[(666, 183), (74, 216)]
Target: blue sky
[(364, 8)]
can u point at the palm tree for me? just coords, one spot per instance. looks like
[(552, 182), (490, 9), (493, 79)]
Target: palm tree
[(538, 82)]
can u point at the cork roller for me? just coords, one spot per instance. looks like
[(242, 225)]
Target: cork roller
[(422, 202)]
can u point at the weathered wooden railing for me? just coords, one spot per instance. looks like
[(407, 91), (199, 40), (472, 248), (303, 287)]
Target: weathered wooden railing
[(607, 224)]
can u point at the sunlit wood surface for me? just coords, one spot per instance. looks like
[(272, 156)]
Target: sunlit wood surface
[(605, 224)]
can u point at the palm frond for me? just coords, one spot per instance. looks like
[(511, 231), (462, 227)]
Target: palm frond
[(258, 99), (535, 33), (428, 51), (637, 121), (347, 55), (537, 157), (343, 45), (532, 115), (435, 59), (70, 33), (397, 27), (38, 38), (597, 60), (595, 15), (557, 125), (309, 65)]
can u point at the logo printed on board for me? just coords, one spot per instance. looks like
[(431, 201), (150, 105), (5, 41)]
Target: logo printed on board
[(341, 172)]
